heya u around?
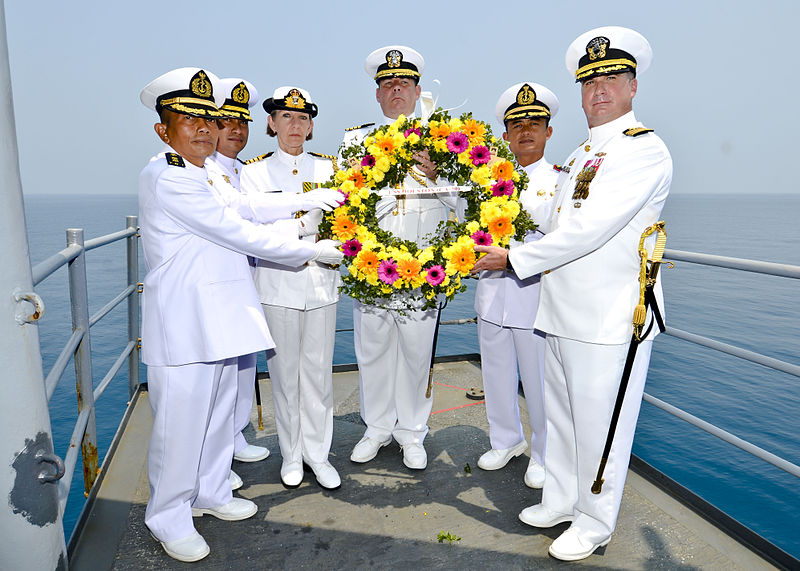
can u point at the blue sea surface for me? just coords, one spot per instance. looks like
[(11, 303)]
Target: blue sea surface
[(748, 310)]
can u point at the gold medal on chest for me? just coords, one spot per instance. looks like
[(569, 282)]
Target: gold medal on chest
[(584, 179)]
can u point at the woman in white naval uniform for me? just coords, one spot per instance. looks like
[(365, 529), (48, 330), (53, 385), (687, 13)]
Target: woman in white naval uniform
[(299, 303), (199, 314), (393, 350), (510, 347), (612, 188)]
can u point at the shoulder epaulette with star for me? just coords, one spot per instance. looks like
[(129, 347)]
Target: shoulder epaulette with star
[(359, 126), (636, 131), (259, 158), (560, 168), (174, 160)]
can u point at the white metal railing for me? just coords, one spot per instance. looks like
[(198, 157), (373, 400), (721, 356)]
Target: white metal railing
[(78, 346)]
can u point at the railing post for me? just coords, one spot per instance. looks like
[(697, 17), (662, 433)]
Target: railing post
[(31, 529), (79, 302), (133, 305)]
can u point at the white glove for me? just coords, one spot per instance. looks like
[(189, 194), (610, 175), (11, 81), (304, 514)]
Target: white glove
[(309, 222), (385, 205), (327, 252), (325, 198)]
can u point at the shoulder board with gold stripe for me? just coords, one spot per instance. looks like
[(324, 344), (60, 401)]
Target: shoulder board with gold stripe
[(174, 160), (636, 131), (359, 126), (259, 158), (240, 161), (332, 158)]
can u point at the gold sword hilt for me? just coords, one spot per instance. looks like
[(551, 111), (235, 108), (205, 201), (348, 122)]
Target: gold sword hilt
[(648, 273)]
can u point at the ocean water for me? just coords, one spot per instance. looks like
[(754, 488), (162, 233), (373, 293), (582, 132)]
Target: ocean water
[(749, 310)]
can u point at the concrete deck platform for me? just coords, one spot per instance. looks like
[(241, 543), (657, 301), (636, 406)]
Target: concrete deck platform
[(386, 516)]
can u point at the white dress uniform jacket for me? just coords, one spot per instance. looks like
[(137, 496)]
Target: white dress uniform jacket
[(198, 300), (393, 350), (506, 306), (589, 290), (305, 287)]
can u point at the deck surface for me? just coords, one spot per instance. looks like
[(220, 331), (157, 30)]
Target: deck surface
[(386, 516)]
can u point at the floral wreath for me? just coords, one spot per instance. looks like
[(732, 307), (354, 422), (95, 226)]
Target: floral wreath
[(383, 268)]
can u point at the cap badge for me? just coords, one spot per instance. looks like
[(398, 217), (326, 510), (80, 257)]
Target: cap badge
[(294, 99), (526, 95), (240, 93), (394, 58), (596, 48), (200, 85)]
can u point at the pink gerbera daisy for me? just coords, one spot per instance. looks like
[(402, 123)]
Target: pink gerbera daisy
[(435, 275), (457, 142), (503, 187), (387, 271), (368, 161), (482, 238), (351, 248), (480, 155)]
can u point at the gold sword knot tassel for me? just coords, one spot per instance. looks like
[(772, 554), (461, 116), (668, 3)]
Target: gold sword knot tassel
[(647, 274)]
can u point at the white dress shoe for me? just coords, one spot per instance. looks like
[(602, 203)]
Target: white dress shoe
[(292, 474), (540, 516), (235, 480), (414, 456), (188, 549), (495, 459), (251, 453), (570, 546), (534, 475), (366, 449), (326, 474), (234, 510)]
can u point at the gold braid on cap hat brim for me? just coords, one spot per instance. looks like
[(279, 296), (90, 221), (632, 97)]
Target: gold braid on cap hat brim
[(397, 73), (235, 112), (181, 105), (526, 111), (609, 65)]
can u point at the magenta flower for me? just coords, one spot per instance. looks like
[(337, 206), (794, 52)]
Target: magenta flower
[(368, 161), (351, 248), (345, 194), (435, 275), (387, 271), (416, 130), (503, 187), (457, 142), (480, 155), (482, 238)]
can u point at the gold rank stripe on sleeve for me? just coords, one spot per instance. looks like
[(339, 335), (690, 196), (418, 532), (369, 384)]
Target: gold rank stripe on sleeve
[(259, 158), (359, 126), (636, 131), (174, 160)]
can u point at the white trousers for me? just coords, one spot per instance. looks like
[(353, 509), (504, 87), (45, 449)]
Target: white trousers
[(394, 356), (302, 382), (244, 399), (581, 384), (507, 355), (191, 446)]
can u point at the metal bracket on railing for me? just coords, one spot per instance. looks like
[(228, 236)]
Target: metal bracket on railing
[(139, 343), (22, 317), (141, 287), (50, 458)]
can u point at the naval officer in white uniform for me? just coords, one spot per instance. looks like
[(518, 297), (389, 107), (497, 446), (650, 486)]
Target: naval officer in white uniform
[(299, 303), (612, 188), (199, 313), (225, 167), (511, 349), (393, 350)]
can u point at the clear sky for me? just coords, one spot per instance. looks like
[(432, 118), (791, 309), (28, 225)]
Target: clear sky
[(720, 91)]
